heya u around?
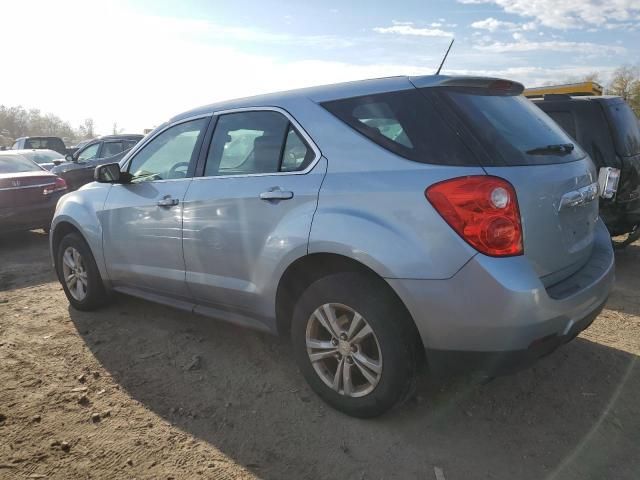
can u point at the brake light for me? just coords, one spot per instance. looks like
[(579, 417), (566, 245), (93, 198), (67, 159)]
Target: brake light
[(57, 186), (483, 210)]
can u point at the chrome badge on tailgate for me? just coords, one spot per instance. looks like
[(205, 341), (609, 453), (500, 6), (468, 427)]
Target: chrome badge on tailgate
[(578, 197)]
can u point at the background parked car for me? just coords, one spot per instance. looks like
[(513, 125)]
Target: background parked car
[(49, 143), (81, 165), (607, 128), (47, 159), (28, 193)]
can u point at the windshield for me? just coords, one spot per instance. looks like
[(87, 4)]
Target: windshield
[(626, 129), (17, 164), (514, 130)]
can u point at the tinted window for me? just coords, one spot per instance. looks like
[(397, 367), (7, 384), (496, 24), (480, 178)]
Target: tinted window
[(127, 144), (50, 143), (168, 155), (17, 164), (89, 153), (110, 149), (296, 154), (510, 126), (565, 120), (626, 130), (256, 142), (405, 123)]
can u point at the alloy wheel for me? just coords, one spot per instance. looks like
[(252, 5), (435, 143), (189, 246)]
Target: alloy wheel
[(75, 273), (343, 350)]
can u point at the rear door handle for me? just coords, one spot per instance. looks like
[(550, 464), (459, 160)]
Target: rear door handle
[(168, 201), (276, 194)]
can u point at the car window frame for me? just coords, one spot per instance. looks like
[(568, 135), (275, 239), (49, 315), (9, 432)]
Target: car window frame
[(195, 156), (202, 159), (88, 145)]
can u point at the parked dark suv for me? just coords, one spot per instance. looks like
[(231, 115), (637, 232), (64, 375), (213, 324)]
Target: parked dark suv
[(38, 143), (82, 163), (607, 128)]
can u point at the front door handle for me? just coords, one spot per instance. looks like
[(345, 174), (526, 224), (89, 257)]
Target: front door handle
[(168, 201), (276, 194)]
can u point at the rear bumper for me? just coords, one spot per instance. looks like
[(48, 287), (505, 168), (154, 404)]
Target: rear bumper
[(29, 217), (496, 315)]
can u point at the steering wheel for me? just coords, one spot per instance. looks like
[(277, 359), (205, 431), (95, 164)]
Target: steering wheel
[(174, 170)]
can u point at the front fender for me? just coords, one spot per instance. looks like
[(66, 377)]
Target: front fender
[(81, 209)]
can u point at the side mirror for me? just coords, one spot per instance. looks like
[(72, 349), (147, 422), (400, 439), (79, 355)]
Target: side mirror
[(109, 173), (57, 162), (68, 157)]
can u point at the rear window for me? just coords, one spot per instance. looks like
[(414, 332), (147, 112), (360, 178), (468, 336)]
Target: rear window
[(405, 123), (49, 143), (626, 130), (512, 129), (17, 164)]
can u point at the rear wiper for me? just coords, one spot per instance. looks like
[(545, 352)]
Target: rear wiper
[(561, 149)]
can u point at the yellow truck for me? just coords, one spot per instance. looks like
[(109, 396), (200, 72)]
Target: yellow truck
[(574, 89)]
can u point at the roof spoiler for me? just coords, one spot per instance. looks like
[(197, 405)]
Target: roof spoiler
[(500, 85)]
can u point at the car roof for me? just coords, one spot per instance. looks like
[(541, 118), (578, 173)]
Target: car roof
[(325, 93), (123, 136)]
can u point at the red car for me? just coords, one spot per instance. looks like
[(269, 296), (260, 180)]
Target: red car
[(28, 194)]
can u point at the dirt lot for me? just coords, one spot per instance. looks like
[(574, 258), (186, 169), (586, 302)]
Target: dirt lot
[(143, 391)]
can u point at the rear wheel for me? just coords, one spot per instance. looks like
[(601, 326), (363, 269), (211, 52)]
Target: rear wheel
[(78, 274), (353, 342)]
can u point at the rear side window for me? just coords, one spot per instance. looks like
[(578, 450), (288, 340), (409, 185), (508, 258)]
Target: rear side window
[(253, 142), (405, 123), (109, 149), (512, 129), (625, 126)]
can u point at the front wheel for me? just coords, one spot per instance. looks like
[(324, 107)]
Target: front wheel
[(78, 274), (353, 342)]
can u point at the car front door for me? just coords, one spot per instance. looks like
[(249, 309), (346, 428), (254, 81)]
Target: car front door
[(249, 211), (142, 219)]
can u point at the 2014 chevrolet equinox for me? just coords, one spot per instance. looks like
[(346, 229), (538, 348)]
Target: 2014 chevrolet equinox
[(382, 223)]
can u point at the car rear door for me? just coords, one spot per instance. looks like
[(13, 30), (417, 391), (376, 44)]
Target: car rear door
[(142, 220), (250, 210)]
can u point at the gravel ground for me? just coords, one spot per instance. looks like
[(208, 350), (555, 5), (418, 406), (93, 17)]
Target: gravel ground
[(143, 391)]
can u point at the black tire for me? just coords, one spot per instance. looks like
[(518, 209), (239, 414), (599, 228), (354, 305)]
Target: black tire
[(392, 326), (96, 295)]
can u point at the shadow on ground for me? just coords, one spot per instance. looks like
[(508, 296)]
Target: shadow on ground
[(573, 415), (25, 260)]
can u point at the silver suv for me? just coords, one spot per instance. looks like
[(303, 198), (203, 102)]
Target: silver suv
[(380, 223)]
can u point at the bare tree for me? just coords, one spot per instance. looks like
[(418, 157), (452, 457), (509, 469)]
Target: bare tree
[(87, 129), (625, 82)]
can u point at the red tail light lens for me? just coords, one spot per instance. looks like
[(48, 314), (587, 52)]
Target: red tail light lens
[(483, 210), (57, 186)]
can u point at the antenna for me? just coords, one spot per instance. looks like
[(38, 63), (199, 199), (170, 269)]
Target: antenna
[(445, 56)]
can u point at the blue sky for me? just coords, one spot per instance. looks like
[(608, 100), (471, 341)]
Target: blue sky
[(171, 56)]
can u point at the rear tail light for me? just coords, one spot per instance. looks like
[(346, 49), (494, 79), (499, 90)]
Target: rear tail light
[(483, 210), (58, 186)]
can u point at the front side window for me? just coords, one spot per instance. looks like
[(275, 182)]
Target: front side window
[(89, 153), (256, 142), (168, 155)]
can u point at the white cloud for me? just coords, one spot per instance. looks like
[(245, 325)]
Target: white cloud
[(523, 45), (570, 13), (493, 24), (408, 29)]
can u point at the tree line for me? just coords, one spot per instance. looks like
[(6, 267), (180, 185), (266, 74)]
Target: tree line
[(18, 122)]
